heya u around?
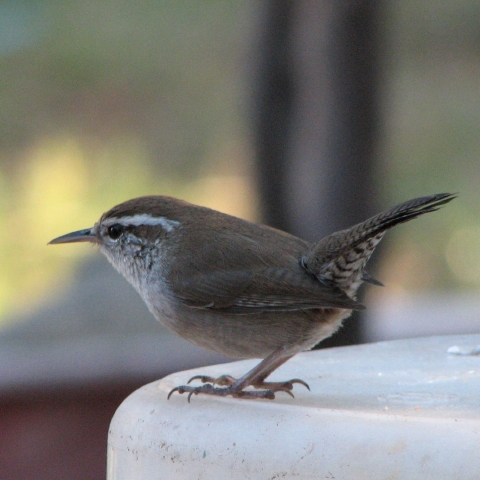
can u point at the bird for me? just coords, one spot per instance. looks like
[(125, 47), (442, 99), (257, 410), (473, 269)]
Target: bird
[(240, 288)]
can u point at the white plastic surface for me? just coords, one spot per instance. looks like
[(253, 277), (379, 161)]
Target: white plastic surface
[(403, 409)]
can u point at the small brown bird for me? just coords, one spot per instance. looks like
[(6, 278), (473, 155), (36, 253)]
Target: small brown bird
[(239, 288)]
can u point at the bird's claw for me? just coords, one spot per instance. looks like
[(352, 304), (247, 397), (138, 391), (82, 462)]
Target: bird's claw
[(300, 382), (209, 389), (265, 390)]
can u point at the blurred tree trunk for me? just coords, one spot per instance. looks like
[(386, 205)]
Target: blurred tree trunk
[(316, 115)]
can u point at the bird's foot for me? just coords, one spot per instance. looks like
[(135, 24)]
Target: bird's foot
[(233, 387)]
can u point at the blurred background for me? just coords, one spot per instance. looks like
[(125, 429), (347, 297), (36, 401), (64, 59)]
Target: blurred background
[(308, 116)]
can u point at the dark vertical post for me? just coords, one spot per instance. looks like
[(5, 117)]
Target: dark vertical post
[(316, 118), (273, 105)]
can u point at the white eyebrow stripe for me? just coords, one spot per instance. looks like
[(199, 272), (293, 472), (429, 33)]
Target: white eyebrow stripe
[(144, 219)]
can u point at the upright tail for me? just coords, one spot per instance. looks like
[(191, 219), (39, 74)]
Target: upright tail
[(339, 259)]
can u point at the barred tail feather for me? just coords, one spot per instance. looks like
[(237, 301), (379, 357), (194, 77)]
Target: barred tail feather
[(339, 259)]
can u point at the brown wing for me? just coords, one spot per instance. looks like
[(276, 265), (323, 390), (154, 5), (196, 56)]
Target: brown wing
[(266, 290)]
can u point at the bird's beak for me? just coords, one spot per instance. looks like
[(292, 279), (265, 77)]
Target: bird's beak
[(86, 235)]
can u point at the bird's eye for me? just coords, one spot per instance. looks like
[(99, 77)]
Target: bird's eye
[(114, 231)]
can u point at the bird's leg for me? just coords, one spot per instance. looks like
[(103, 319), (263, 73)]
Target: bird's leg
[(255, 378)]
